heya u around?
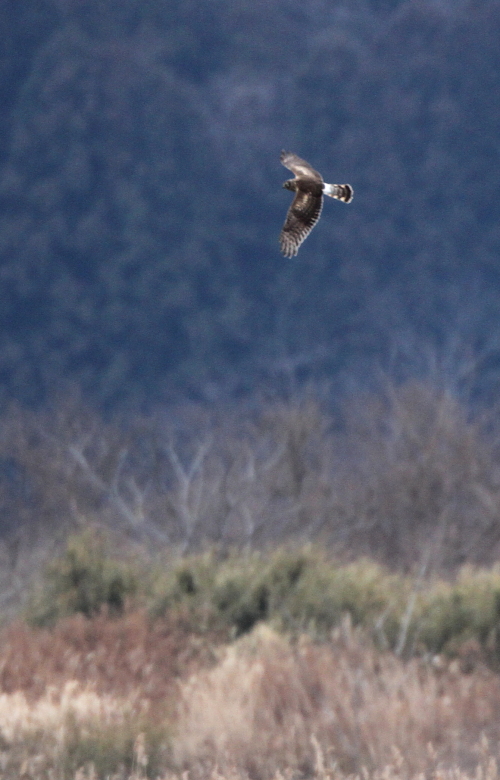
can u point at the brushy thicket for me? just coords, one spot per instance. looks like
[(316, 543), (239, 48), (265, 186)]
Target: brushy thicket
[(86, 579), (301, 590)]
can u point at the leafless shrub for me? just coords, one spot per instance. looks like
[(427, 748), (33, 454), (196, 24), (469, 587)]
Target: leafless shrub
[(420, 480), (229, 481), (405, 476)]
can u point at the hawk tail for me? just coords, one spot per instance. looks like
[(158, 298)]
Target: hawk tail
[(342, 192)]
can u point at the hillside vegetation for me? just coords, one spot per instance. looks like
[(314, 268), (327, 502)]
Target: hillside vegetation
[(141, 200)]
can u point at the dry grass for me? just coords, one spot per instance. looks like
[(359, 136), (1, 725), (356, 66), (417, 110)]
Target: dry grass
[(124, 699), (39, 736), (117, 656), (91, 692), (361, 706)]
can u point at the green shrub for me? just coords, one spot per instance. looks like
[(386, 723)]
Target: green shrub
[(326, 590), (84, 579), (468, 608), (304, 590), (300, 590), (296, 590)]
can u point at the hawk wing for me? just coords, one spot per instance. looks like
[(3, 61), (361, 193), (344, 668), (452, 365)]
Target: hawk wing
[(300, 220), (299, 167)]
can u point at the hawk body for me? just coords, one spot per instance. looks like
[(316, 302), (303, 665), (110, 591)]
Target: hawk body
[(306, 206)]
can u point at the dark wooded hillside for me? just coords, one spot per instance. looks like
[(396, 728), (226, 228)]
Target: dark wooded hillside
[(141, 197)]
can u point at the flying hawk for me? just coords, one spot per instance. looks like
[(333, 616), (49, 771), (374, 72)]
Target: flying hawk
[(305, 210)]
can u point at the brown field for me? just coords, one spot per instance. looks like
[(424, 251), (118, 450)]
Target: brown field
[(128, 698)]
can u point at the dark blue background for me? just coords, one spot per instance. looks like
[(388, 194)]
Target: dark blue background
[(141, 196)]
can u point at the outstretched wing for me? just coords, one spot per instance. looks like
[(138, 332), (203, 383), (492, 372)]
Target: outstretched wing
[(299, 167), (300, 220)]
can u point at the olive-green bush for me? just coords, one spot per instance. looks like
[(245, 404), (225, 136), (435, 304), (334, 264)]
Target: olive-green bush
[(296, 590), (84, 579)]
